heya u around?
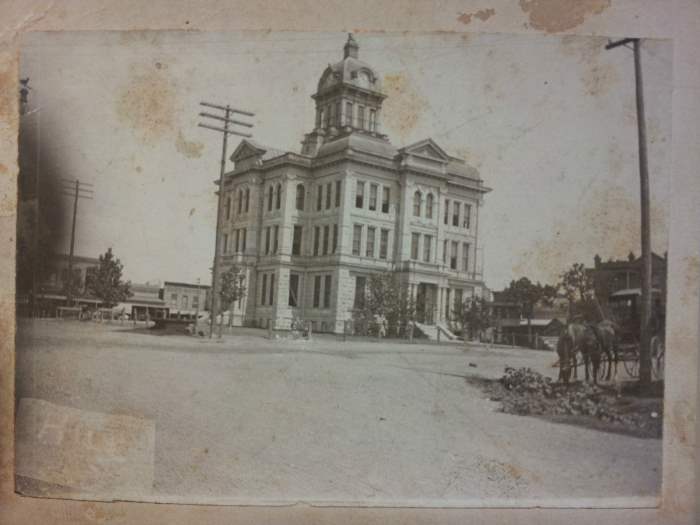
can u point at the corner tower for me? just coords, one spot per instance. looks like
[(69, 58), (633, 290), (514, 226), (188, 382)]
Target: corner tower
[(348, 100)]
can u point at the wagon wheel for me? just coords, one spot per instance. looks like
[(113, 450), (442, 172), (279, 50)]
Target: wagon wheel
[(657, 357), (631, 362)]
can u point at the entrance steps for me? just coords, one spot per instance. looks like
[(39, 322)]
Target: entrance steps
[(431, 331)]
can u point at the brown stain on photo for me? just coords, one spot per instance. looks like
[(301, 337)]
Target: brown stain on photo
[(190, 149), (148, 103), (606, 222), (481, 14), (554, 16), (403, 106)]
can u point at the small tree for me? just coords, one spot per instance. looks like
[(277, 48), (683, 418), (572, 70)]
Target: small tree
[(106, 283), (474, 315), (232, 289), (578, 286), (388, 299)]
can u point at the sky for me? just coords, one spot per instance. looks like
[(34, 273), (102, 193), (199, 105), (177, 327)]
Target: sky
[(549, 122)]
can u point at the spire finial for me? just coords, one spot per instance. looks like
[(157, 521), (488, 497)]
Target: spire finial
[(351, 48)]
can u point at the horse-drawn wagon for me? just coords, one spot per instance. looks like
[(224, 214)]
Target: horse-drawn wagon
[(624, 306)]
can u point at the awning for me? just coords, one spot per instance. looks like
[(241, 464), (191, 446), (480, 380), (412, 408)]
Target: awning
[(628, 293)]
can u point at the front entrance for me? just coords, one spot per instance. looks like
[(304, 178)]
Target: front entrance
[(426, 297)]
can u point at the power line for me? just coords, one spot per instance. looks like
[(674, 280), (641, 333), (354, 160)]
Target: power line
[(228, 123), (78, 190)]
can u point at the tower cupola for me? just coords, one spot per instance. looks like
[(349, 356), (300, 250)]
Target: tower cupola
[(348, 100)]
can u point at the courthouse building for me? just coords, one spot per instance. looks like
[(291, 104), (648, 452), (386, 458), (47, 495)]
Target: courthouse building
[(309, 228)]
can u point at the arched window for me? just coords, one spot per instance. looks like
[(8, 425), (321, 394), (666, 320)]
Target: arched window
[(417, 197), (228, 208), (429, 206), (240, 201), (247, 199), (278, 196), (300, 197), (269, 197)]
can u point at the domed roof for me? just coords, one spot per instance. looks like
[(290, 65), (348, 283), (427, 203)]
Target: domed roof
[(351, 70)]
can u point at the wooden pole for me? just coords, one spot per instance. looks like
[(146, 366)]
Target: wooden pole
[(644, 351)]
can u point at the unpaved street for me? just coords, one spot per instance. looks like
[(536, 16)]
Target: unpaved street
[(249, 419)]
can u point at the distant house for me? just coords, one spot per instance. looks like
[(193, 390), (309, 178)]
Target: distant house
[(621, 275), (184, 299), (144, 303)]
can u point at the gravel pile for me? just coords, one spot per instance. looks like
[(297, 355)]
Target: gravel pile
[(524, 391)]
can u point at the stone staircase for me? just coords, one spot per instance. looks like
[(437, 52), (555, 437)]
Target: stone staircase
[(431, 332)]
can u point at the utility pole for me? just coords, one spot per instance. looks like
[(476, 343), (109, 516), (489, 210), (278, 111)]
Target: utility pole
[(77, 190), (645, 314), (228, 121)]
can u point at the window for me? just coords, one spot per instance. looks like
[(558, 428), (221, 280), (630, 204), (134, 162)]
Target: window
[(348, 113), (455, 213), (243, 239), (373, 188), (275, 239), (267, 240), (444, 252), (328, 116), (361, 117), (326, 235), (317, 291), (269, 198), (447, 210), (385, 199), (317, 238), (293, 289), (356, 239), (331, 114), (465, 257), (360, 194), (335, 238), (278, 196), (373, 120), (338, 116), (329, 189), (173, 298), (300, 197), (327, 292), (240, 201), (296, 240), (338, 187), (228, 208), (321, 117), (383, 244), (264, 290), (185, 300), (417, 203), (247, 199), (360, 287), (453, 255), (319, 197), (427, 247), (195, 301), (467, 216), (429, 206), (415, 239), (272, 289), (225, 246), (371, 230), (238, 240)]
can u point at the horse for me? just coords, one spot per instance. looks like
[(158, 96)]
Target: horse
[(606, 331), (567, 357), (583, 338)]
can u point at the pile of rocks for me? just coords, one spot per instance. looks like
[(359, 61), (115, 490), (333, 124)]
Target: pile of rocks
[(524, 391)]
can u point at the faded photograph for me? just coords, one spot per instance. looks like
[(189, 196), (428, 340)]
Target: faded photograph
[(396, 269)]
